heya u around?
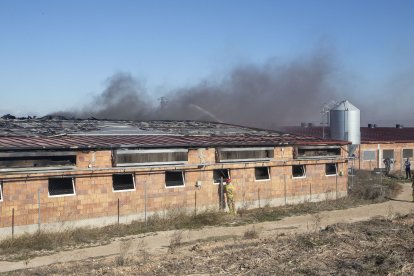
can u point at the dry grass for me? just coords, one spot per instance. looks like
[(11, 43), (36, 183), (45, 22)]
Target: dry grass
[(376, 247), (375, 187)]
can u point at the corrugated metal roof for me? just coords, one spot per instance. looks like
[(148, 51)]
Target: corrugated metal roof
[(368, 135), (95, 134), (149, 141), (42, 127), (387, 134)]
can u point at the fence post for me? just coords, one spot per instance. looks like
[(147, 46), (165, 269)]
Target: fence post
[(310, 191), (38, 208), (195, 202), (336, 184), (118, 210), (145, 202), (12, 223), (221, 196), (284, 180)]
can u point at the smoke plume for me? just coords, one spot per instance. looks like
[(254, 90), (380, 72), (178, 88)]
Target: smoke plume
[(258, 95)]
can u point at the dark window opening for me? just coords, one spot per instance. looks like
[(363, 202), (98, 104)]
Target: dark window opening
[(37, 161), (125, 158), (407, 153), (174, 178), (330, 169), (388, 154), (220, 173), (298, 170), (122, 182), (235, 154), (313, 152), (261, 173), (61, 186)]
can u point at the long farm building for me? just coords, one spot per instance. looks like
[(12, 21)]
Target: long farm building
[(70, 173)]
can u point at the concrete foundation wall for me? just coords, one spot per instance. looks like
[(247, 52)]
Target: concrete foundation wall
[(6, 232)]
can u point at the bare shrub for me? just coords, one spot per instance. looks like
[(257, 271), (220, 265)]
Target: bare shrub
[(368, 187), (175, 241), (142, 251), (390, 212), (251, 233), (316, 222), (123, 253)]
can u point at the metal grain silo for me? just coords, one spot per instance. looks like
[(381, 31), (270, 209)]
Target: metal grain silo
[(344, 121)]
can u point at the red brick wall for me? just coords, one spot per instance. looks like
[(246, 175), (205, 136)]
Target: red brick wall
[(398, 153), (95, 197)]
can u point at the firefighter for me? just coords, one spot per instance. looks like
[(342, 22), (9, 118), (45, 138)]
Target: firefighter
[(407, 165), (387, 163), (229, 190)]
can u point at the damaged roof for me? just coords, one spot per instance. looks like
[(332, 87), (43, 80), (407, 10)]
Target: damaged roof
[(51, 127), (52, 133)]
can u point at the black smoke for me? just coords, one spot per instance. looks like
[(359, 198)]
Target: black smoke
[(259, 95)]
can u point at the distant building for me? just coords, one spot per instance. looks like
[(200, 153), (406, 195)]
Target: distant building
[(377, 143), (56, 172)]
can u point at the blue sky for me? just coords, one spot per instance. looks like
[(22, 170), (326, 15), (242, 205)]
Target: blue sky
[(58, 54)]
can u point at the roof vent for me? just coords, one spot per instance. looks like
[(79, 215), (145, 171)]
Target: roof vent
[(399, 126), (372, 125), (306, 124)]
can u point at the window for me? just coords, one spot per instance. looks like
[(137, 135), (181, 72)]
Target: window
[(262, 173), (220, 173), (330, 169), (317, 151), (388, 154), (368, 155), (150, 157), (14, 161), (1, 192), (245, 154), (298, 171), (174, 178), (407, 153), (61, 186), (123, 182)]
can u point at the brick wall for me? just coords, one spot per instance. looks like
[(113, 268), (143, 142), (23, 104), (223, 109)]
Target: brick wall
[(378, 148), (95, 197)]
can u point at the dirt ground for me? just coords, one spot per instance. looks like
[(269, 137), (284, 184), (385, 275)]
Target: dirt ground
[(371, 239)]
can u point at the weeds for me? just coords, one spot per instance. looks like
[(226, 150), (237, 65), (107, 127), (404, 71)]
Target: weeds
[(316, 222), (341, 249), (123, 253), (143, 252), (390, 212), (175, 241), (251, 233), (368, 186)]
